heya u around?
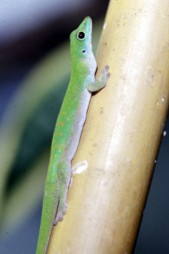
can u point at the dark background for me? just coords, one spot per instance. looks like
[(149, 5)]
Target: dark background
[(21, 47)]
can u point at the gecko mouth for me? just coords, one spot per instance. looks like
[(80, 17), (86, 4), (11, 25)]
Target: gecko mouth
[(87, 23)]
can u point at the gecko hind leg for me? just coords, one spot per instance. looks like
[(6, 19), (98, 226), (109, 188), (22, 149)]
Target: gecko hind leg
[(64, 179)]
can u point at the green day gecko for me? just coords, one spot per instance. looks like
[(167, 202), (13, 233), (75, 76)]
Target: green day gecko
[(68, 129)]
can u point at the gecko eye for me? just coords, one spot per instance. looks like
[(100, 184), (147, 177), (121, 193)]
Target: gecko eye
[(81, 35)]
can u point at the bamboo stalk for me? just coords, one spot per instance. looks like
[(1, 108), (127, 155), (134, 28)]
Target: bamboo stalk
[(122, 132)]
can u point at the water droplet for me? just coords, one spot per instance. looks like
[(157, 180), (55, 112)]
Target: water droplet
[(164, 133)]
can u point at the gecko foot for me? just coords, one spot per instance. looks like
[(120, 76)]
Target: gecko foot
[(61, 211), (105, 74)]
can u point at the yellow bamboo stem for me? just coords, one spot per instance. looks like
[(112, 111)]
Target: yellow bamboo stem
[(122, 132)]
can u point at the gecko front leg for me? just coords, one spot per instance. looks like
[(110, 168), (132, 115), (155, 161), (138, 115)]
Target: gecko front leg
[(100, 82)]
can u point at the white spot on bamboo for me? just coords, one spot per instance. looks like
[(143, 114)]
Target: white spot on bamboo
[(104, 26), (80, 167), (163, 99)]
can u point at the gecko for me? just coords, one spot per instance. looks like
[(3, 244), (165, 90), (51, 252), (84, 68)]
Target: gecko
[(68, 129)]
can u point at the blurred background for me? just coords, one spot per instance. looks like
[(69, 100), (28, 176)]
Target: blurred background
[(34, 73)]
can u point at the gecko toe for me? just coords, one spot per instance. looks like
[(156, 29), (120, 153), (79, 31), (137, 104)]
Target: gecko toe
[(108, 75), (58, 218)]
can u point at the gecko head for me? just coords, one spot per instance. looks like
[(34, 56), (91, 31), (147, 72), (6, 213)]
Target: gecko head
[(80, 39)]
